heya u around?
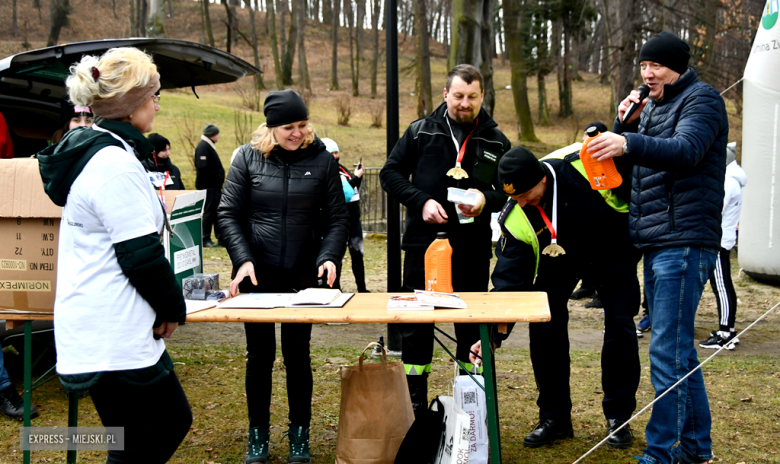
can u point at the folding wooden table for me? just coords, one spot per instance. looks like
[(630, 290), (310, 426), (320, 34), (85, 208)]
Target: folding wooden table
[(484, 309)]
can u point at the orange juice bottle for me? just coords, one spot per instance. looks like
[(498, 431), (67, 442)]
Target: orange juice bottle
[(438, 265), (602, 175)]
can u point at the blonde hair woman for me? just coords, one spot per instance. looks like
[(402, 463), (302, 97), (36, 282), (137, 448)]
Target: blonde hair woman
[(284, 223), (117, 297)]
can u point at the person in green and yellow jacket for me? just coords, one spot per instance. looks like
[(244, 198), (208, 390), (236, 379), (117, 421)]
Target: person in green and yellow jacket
[(556, 230)]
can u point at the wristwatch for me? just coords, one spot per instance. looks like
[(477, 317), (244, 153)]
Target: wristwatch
[(625, 145)]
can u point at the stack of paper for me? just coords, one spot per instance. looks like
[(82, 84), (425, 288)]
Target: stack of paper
[(406, 303), (440, 300)]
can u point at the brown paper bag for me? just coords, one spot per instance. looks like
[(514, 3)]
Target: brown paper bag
[(376, 412)]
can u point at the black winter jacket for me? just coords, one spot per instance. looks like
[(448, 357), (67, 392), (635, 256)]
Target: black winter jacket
[(165, 165), (679, 151), (211, 174), (426, 152), (285, 212)]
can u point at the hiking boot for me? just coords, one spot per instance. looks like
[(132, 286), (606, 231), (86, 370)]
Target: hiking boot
[(594, 303), (547, 431), (299, 444), (583, 292), (257, 445), (418, 392), (208, 244), (623, 438), (716, 341), (12, 405), (644, 324)]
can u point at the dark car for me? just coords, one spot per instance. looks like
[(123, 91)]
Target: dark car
[(32, 86)]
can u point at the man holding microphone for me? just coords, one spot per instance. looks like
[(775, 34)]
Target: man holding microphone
[(676, 140)]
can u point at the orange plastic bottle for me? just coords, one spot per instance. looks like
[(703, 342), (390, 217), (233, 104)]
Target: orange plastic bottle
[(438, 265), (602, 175)]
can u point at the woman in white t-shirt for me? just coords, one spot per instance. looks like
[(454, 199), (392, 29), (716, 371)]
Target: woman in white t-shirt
[(117, 298)]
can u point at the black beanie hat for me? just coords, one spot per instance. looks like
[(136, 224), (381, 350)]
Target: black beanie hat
[(158, 142), (284, 107), (519, 171), (600, 126), (667, 49), (210, 130), (68, 111)]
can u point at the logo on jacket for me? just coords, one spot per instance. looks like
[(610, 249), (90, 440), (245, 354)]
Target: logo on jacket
[(308, 173), (509, 189)]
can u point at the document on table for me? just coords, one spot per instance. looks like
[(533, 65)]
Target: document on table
[(276, 300), (193, 306)]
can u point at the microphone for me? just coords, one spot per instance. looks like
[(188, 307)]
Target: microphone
[(644, 91)]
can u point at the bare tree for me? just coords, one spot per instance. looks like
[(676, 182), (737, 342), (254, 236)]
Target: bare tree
[(350, 15), (361, 16), (156, 25), (423, 61), (517, 24), (376, 10), (327, 11), (304, 81), (334, 61), (253, 6), (15, 25), (472, 41), (292, 43), (269, 5), (281, 9), (207, 22), (58, 15), (37, 6)]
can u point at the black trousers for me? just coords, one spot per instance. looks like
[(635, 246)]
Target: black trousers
[(213, 196), (469, 274), (618, 288), (725, 295), (355, 246), (156, 418)]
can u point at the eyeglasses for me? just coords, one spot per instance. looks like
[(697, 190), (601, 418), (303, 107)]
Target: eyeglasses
[(156, 99)]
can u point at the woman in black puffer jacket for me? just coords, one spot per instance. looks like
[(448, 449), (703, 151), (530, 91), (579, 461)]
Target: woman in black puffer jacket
[(285, 224)]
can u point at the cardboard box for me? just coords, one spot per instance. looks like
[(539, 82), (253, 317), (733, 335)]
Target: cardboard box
[(29, 237)]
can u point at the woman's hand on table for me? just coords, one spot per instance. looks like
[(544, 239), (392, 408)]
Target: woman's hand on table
[(331, 269), (246, 270), (165, 330)]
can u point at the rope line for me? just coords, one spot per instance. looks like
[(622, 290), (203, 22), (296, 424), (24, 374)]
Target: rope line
[(732, 85), (599, 444)]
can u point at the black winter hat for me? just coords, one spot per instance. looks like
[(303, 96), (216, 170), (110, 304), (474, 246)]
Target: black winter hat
[(68, 111), (667, 49), (158, 142), (519, 171), (284, 107), (210, 130)]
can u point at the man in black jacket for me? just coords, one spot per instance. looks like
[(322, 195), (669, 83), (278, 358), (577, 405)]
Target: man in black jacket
[(554, 231), (160, 163), (210, 177), (458, 145), (677, 142)]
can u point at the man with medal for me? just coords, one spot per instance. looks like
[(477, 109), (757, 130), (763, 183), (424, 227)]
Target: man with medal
[(458, 145), (556, 230)]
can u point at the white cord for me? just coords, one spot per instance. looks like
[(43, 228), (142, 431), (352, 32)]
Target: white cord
[(598, 445)]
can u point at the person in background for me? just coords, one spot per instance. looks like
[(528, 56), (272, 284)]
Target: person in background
[(210, 177), (11, 403), (459, 145), (725, 295), (285, 225), (677, 142), (6, 146), (160, 163), (355, 244), (117, 297), (71, 117)]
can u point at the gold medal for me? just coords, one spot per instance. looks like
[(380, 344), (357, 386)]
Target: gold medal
[(457, 173)]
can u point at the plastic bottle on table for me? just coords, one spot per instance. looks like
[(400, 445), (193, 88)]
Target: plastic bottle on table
[(602, 175), (438, 265)]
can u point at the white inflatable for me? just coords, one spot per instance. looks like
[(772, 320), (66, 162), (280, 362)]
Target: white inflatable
[(759, 230)]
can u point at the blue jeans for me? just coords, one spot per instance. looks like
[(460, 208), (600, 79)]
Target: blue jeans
[(5, 381), (674, 281)]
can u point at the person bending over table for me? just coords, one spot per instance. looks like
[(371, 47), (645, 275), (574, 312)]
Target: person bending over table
[(284, 223), (117, 296)]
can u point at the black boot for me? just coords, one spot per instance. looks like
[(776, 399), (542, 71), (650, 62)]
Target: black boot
[(12, 405), (299, 444), (418, 391), (547, 431)]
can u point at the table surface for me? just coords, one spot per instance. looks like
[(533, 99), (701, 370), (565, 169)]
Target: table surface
[(497, 307)]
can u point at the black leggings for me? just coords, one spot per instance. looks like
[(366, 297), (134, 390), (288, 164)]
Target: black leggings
[(156, 417), (261, 353)]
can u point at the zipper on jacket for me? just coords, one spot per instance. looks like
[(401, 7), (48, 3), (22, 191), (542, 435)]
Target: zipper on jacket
[(283, 249), (670, 208)]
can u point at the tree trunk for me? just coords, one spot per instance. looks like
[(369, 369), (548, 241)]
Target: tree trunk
[(423, 61), (170, 8), (564, 91), (361, 16), (132, 17), (304, 81), (574, 58), (543, 66), (472, 41), (327, 11), (629, 36), (140, 22), (281, 8), (375, 43), (58, 16), (315, 10), (15, 25), (156, 23), (334, 34), (269, 6), (259, 84), (349, 13), (206, 15), (516, 25), (292, 43)]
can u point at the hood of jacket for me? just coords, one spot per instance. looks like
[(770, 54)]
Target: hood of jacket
[(735, 170), (62, 163)]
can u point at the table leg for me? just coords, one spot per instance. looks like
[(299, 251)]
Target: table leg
[(73, 421), (491, 392), (27, 381)]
